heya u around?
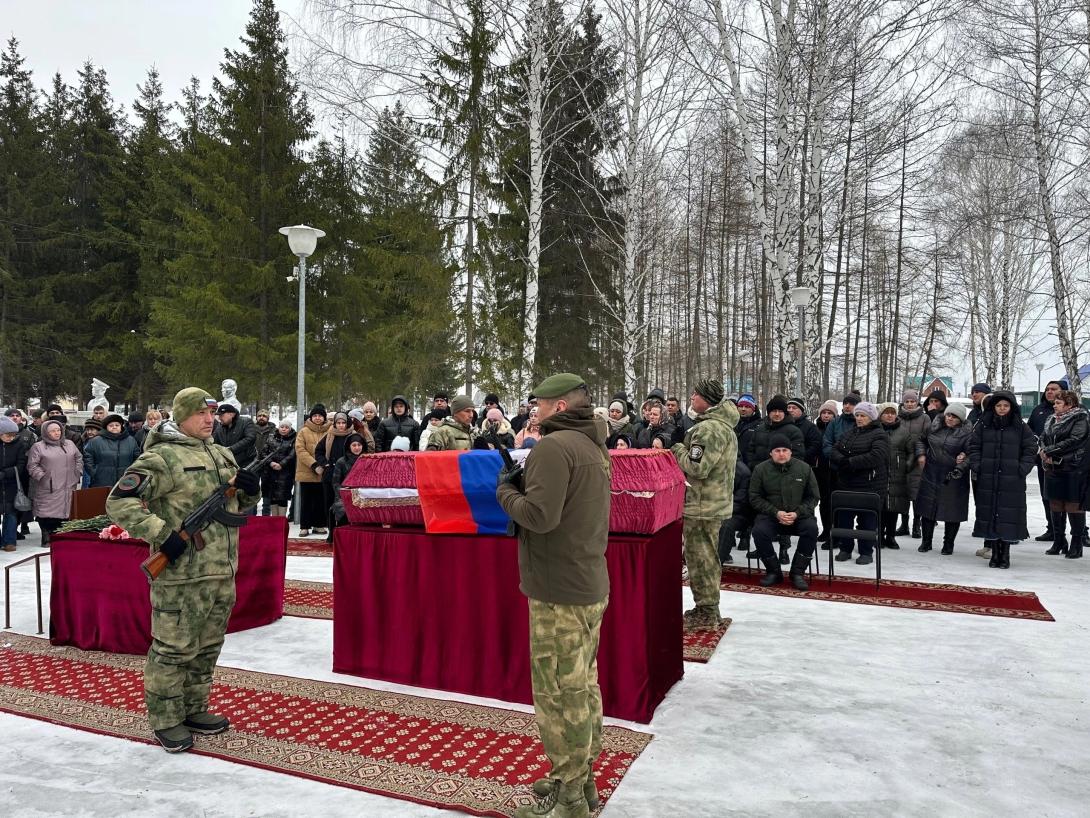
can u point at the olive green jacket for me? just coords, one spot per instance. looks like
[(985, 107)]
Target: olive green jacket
[(173, 476), (707, 457), (451, 436)]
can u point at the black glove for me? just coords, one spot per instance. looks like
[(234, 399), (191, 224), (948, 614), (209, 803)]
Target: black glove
[(174, 547), (512, 475), (247, 482)]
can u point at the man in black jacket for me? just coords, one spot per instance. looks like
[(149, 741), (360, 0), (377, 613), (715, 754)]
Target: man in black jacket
[(1040, 414), (811, 435), (784, 493), (399, 423), (237, 434)]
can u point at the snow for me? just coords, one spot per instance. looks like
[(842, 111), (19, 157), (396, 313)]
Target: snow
[(807, 707)]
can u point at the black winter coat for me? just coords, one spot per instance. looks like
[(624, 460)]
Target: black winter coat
[(240, 437), (944, 498), (812, 439), (107, 456), (1002, 452), (744, 429), (902, 460), (861, 459), (1040, 415), (917, 422), (13, 459), (759, 439), (397, 426), (646, 435), (281, 482), (1066, 441), (741, 489)]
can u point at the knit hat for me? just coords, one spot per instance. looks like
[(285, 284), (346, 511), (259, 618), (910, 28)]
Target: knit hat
[(285, 422), (439, 395), (866, 408), (831, 405), (8, 426), (400, 444), (56, 407), (460, 403), (778, 441), (710, 390), (981, 387), (10, 413), (957, 410), (186, 403), (106, 421), (887, 407), (318, 409), (799, 402), (658, 394), (777, 402), (136, 417), (851, 398), (355, 436), (601, 412), (356, 414), (494, 414), (492, 397), (747, 400), (440, 413), (910, 394), (91, 423), (619, 406), (370, 404)]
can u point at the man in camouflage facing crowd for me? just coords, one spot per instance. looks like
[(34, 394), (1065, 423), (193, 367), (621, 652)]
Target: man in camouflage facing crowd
[(455, 433), (193, 597), (707, 457), (563, 517)]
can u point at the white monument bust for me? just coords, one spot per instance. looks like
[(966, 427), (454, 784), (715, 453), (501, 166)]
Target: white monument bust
[(228, 388), (98, 395)]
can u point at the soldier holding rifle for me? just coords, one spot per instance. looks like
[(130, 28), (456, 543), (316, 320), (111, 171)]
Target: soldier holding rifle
[(193, 597)]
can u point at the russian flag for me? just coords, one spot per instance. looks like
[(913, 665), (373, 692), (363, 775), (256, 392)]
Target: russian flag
[(458, 492)]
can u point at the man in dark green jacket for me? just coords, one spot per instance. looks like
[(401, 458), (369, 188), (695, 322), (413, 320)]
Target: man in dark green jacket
[(784, 493), (562, 512)]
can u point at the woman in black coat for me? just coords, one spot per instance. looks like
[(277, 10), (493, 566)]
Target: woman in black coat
[(13, 474), (1066, 460), (944, 489), (1002, 452), (861, 459), (279, 477)]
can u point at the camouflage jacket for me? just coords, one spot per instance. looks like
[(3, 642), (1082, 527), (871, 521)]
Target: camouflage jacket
[(707, 457), (173, 476), (450, 435)]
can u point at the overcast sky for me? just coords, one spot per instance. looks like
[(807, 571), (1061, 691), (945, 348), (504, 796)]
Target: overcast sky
[(185, 39)]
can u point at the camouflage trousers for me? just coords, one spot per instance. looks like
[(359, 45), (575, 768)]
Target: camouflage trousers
[(702, 559), (564, 675), (188, 621)]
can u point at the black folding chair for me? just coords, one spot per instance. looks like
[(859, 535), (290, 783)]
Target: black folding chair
[(857, 502)]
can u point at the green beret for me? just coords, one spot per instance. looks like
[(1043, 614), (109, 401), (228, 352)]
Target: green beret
[(556, 386), (460, 403), (189, 401)]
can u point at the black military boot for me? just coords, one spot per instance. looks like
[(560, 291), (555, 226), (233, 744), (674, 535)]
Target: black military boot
[(773, 572), (1004, 554), (948, 536), (798, 571), (997, 553), (1059, 534)]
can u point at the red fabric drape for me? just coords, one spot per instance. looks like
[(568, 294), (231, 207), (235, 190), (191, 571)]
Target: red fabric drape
[(99, 596), (445, 612)]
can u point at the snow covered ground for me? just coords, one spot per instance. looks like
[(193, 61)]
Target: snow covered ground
[(807, 708)]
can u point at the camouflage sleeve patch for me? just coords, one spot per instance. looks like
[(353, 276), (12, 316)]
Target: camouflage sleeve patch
[(131, 484)]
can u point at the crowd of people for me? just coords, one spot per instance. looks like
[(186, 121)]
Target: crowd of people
[(923, 459)]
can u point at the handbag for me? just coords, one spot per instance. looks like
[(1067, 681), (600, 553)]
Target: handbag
[(22, 502)]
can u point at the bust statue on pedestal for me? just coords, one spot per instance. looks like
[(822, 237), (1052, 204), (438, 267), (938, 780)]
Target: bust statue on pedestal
[(228, 388), (98, 395)]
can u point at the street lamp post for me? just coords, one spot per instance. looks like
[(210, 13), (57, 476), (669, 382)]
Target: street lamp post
[(1039, 366), (302, 240), (800, 297)]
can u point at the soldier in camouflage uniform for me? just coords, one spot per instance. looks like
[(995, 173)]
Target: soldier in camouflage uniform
[(193, 597), (455, 433), (707, 457), (563, 517)]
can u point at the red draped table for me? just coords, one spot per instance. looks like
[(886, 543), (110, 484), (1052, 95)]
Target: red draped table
[(444, 611), (99, 597)]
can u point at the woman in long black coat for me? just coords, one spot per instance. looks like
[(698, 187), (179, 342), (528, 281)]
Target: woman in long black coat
[(861, 459), (1002, 452), (944, 489), (902, 460), (1064, 453), (279, 477)]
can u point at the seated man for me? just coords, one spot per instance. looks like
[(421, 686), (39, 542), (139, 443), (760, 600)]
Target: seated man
[(784, 493)]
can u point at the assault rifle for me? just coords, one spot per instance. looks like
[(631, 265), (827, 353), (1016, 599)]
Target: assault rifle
[(214, 508), (510, 465)]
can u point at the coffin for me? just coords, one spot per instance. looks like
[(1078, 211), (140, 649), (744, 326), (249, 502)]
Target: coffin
[(647, 490)]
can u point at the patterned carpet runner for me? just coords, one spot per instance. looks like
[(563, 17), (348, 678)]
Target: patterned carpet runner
[(316, 547), (896, 593), (446, 754), (315, 600)]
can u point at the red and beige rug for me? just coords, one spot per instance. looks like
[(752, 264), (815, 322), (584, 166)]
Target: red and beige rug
[(897, 593), (315, 600), (480, 760), (316, 547)]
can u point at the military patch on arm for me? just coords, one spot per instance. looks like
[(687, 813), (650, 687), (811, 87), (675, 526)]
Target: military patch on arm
[(131, 484), (696, 453)]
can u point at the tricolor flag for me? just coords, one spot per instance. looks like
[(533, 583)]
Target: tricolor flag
[(458, 492)]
